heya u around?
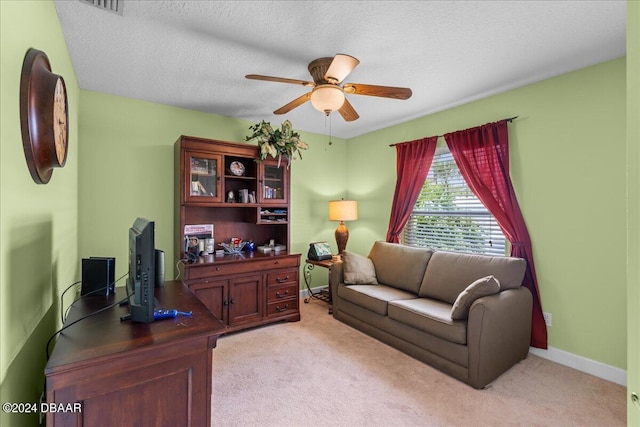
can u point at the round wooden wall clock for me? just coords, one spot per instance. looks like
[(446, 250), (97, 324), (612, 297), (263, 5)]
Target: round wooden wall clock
[(44, 116)]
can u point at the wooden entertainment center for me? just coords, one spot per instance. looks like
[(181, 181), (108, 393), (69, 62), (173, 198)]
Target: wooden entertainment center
[(254, 287)]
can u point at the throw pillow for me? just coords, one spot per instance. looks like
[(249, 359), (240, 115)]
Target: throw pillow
[(488, 285), (358, 269)]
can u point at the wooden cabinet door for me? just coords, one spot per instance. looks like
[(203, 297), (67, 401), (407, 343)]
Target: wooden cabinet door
[(274, 182), (203, 177), (214, 295), (172, 392), (245, 299)]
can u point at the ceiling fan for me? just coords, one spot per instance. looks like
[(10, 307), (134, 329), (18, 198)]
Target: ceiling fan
[(327, 95)]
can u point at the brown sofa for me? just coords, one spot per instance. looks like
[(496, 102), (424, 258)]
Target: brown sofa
[(466, 315)]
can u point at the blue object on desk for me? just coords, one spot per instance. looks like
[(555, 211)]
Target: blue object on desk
[(169, 314)]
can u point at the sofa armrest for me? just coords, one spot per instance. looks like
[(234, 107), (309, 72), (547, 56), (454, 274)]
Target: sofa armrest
[(498, 334), (336, 277)]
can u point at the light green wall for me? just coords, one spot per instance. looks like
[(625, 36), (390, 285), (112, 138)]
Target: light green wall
[(38, 223), (126, 171), (567, 165), (633, 210), (567, 150)]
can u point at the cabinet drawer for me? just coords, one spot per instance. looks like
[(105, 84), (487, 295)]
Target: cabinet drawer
[(277, 293), (282, 307), (290, 261), (212, 270), (281, 277)]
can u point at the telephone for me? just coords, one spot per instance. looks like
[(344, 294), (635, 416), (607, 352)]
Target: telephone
[(319, 251)]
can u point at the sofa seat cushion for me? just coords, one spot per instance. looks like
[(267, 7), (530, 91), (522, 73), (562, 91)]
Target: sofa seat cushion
[(429, 316), (373, 297)]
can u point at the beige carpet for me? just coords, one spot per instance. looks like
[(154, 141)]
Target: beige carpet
[(321, 372)]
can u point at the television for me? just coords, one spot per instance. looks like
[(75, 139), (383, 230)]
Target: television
[(141, 280)]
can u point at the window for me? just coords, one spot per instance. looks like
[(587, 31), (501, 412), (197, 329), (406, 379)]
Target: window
[(448, 216)]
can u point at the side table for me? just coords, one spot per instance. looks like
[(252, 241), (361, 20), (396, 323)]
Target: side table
[(323, 294)]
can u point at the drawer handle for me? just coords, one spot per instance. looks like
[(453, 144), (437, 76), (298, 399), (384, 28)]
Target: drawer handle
[(217, 268), (232, 301), (281, 309), (279, 295), (280, 280), (277, 262)]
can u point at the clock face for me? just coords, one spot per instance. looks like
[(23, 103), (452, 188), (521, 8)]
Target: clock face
[(60, 132)]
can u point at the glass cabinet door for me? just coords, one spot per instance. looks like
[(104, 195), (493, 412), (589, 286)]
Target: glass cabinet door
[(274, 184), (203, 173)]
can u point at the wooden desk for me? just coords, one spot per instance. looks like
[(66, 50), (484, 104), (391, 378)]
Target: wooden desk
[(134, 374)]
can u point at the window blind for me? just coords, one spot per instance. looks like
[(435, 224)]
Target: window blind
[(448, 216)]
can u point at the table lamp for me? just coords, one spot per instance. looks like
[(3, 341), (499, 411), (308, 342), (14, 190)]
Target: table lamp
[(342, 210)]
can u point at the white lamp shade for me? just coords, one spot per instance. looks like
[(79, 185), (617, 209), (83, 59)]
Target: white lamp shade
[(343, 210), (340, 67), (327, 98)]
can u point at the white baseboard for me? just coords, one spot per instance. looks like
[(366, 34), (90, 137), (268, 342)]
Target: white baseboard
[(592, 367), (304, 293)]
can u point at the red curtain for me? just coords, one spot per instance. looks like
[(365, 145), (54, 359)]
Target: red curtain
[(412, 166), (482, 155)]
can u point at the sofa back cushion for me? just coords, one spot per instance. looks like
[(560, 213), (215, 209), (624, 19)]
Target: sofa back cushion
[(400, 266), (449, 273)]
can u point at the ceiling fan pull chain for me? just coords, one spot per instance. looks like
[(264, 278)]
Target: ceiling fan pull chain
[(327, 135), (326, 139)]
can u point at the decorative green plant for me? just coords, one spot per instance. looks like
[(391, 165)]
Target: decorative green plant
[(277, 143)]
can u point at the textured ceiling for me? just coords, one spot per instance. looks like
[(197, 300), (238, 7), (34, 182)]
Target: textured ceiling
[(195, 54)]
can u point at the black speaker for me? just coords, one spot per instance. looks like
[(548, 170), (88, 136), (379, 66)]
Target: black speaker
[(159, 268), (98, 276)]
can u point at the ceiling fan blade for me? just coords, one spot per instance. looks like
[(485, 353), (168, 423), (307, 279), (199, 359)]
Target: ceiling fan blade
[(382, 91), (279, 80), (293, 104), (347, 112), (340, 68)]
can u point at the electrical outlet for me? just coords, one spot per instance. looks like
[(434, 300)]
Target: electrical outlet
[(547, 318)]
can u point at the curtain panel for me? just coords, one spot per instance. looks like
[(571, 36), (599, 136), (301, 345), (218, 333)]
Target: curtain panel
[(412, 166), (482, 155)]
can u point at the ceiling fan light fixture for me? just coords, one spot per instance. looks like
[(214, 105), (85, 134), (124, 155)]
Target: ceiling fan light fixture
[(327, 98)]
